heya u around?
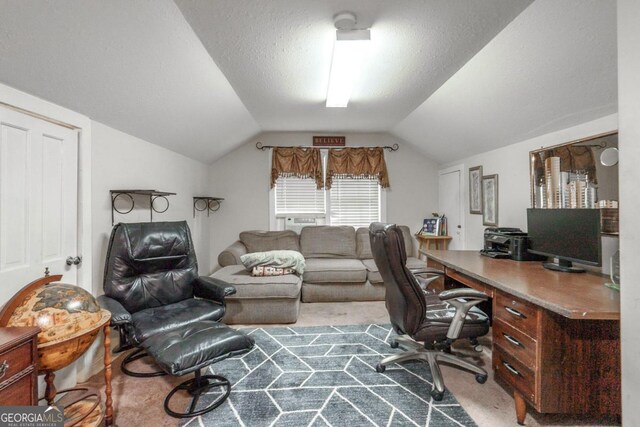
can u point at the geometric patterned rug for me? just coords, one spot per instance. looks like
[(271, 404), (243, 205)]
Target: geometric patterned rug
[(325, 376)]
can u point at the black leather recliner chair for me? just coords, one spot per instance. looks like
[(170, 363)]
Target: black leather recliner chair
[(151, 285), (435, 320)]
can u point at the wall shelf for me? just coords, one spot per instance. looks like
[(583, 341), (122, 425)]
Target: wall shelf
[(202, 203), (152, 194)]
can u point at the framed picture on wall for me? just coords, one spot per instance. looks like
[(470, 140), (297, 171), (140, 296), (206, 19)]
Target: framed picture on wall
[(490, 200), (475, 190)]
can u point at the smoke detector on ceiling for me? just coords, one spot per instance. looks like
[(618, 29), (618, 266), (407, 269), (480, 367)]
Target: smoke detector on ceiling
[(345, 21)]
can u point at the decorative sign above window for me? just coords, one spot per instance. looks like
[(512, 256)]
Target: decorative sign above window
[(329, 141)]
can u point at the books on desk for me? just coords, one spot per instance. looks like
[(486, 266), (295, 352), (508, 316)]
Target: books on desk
[(435, 226)]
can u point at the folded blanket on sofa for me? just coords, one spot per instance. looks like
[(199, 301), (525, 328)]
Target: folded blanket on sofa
[(278, 259), (265, 270)]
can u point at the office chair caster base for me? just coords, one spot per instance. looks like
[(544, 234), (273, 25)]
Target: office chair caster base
[(133, 356), (380, 368), (481, 379), (394, 344), (196, 387), (437, 395)]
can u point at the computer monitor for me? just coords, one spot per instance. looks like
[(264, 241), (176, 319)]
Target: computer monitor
[(570, 235)]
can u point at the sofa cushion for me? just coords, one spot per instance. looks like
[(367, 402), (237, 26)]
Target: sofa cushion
[(326, 241), (408, 240), (263, 241), (363, 248), (263, 287), (363, 244), (336, 270), (374, 276), (413, 262), (277, 259)]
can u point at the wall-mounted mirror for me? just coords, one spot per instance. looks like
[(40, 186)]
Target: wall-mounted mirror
[(577, 174)]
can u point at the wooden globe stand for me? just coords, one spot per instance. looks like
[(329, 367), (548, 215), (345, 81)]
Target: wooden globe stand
[(58, 354), (81, 406)]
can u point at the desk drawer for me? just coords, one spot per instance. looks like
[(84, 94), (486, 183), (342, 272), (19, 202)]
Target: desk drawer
[(15, 360), (517, 313), (514, 373), (469, 281), (515, 343), (20, 392)]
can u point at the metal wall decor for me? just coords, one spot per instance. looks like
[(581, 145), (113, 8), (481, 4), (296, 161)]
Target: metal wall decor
[(329, 141), (152, 194), (206, 203)]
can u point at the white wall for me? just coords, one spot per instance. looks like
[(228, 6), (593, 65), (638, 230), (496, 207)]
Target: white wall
[(629, 143), (121, 161), (242, 178), (511, 163)]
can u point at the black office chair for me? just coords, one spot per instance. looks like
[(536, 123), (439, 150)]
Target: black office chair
[(151, 283), (436, 320)]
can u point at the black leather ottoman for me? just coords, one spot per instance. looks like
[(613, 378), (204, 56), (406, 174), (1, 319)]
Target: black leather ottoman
[(191, 348)]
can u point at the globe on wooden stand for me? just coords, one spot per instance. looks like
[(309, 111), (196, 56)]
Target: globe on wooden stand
[(69, 319)]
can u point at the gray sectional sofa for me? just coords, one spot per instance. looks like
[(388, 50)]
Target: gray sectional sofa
[(339, 267)]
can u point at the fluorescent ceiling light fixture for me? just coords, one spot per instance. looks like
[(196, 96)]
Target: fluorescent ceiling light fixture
[(349, 52)]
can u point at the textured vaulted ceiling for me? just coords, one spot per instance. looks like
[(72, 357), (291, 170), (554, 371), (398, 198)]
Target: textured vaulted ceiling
[(277, 54), (200, 77), (553, 67), (134, 65)]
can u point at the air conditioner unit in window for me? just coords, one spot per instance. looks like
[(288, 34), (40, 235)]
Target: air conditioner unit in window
[(298, 223)]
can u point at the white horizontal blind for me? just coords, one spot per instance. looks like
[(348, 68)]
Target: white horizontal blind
[(298, 196), (354, 202)]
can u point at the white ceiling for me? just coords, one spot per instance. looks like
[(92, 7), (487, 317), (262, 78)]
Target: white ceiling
[(553, 67), (277, 54), (134, 65), (451, 77)]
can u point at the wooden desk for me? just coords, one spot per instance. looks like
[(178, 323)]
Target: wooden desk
[(556, 336)]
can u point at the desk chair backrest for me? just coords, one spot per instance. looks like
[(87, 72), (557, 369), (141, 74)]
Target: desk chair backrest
[(150, 264), (404, 298)]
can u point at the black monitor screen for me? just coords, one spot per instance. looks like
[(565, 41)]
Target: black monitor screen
[(570, 234)]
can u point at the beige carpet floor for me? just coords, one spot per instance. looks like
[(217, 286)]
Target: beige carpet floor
[(139, 401)]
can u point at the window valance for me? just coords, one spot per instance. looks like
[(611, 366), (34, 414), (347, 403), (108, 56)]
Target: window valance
[(357, 163), (300, 162)]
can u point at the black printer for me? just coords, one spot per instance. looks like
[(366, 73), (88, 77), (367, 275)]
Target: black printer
[(504, 242)]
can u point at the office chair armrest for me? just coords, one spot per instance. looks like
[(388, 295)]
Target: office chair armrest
[(212, 289), (416, 271), (466, 293), (462, 299), (426, 276), (425, 281), (119, 315)]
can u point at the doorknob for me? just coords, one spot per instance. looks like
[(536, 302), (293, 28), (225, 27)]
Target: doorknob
[(74, 260)]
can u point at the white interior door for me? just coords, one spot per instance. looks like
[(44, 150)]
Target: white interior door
[(450, 204), (38, 200)]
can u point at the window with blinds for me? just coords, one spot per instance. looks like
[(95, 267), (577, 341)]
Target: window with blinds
[(354, 202), (298, 196)]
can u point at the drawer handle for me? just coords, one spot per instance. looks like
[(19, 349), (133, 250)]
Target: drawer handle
[(4, 368), (512, 340), (515, 312), (513, 370)]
